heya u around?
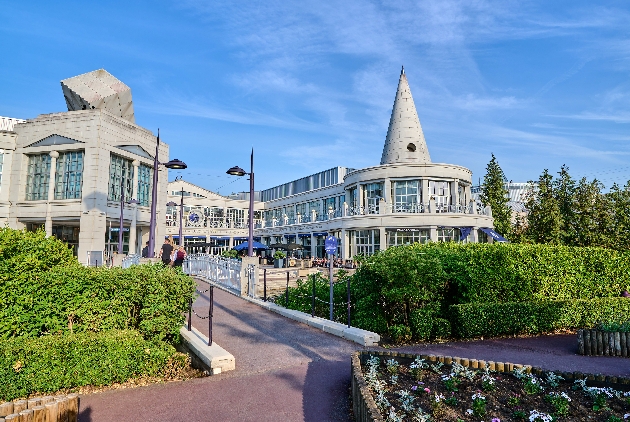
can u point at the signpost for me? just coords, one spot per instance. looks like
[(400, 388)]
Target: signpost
[(330, 244)]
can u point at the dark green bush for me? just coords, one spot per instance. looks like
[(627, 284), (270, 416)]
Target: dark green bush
[(441, 328), (399, 333), (421, 321), (44, 290), (50, 363), (495, 319)]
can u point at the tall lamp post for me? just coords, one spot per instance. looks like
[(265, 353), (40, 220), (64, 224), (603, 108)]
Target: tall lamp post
[(122, 209), (174, 164), (181, 213), (237, 171)]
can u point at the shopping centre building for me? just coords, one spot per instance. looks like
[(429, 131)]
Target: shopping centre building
[(405, 199), (66, 171)]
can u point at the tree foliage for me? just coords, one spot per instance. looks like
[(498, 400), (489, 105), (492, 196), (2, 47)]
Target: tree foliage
[(494, 194)]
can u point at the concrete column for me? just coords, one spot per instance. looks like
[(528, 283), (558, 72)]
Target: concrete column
[(345, 253), (51, 192), (386, 204), (360, 196), (313, 246), (383, 238), (433, 234), (425, 193), (474, 237), (455, 192), (134, 209), (313, 216)]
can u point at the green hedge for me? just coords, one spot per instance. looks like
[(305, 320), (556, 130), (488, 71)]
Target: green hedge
[(50, 363), (535, 317), (44, 290)]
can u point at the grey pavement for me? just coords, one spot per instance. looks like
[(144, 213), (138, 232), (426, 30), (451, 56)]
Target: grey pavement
[(287, 371)]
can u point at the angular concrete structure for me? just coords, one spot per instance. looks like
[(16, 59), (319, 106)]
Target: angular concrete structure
[(98, 90), (405, 141)]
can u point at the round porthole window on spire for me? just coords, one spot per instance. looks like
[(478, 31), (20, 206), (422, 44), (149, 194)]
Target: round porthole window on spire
[(411, 147)]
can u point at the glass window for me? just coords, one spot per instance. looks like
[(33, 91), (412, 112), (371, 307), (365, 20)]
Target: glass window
[(442, 194), (300, 209), (69, 175), (406, 195), (145, 183), (352, 196), (120, 172), (373, 192), (38, 177), (330, 204), (448, 234), (315, 206), (365, 242), (408, 237), (236, 217)]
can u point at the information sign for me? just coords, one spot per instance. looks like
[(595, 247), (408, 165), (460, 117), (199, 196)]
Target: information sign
[(330, 244)]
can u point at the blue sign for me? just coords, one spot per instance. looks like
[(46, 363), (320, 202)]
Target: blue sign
[(330, 244)]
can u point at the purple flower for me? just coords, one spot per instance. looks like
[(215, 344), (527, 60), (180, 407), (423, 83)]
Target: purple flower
[(414, 388), (496, 420)]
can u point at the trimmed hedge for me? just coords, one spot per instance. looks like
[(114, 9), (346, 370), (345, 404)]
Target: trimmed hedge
[(149, 298), (50, 363), (535, 317)]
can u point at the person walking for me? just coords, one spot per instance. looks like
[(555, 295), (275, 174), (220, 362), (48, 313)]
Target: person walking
[(145, 251), (166, 252), (180, 255)]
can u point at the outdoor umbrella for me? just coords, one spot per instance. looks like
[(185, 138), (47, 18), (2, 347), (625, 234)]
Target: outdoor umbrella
[(278, 246), (293, 246), (245, 245)]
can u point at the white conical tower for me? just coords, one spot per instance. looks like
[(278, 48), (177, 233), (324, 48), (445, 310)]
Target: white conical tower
[(405, 141)]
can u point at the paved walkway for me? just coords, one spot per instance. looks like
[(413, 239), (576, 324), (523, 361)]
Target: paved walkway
[(286, 371)]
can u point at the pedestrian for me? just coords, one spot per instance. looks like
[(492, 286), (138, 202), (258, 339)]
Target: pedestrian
[(145, 251), (180, 255), (166, 252)]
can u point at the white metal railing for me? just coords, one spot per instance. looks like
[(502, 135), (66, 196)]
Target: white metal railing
[(221, 270), (130, 260)]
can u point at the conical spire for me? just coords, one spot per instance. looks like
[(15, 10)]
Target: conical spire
[(405, 141)]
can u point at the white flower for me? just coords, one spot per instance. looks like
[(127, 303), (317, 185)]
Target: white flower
[(626, 416), (535, 415), (469, 411), (478, 396)]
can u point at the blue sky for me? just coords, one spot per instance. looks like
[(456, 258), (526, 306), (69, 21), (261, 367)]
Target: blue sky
[(310, 84)]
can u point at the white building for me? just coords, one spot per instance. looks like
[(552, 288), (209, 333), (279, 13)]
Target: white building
[(406, 198), (66, 171)]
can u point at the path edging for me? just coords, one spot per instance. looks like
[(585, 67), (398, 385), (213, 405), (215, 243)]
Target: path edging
[(356, 335), (214, 357)]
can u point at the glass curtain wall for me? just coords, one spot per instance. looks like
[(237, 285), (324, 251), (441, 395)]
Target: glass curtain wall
[(407, 196), (69, 175), (236, 217), (372, 192), (365, 242), (38, 177), (120, 172), (397, 238), (448, 234)]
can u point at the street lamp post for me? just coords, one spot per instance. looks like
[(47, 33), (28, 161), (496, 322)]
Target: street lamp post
[(174, 164), (237, 171), (122, 208), (181, 213)]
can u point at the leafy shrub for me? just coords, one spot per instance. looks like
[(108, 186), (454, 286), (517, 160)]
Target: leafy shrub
[(614, 326), (44, 290), (229, 253), (495, 319), (399, 333), (279, 255), (441, 328), (421, 322), (50, 363)]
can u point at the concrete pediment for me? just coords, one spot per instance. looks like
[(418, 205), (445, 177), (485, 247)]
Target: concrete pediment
[(54, 139), (135, 149)]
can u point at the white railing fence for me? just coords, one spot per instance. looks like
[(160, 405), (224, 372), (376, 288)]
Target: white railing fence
[(130, 260), (221, 270)]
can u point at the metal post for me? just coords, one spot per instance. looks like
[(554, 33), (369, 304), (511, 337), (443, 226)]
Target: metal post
[(250, 239), (210, 312), (122, 207), (189, 313), (313, 300), (330, 273), (154, 194), (286, 301), (181, 214), (348, 302), (265, 285)]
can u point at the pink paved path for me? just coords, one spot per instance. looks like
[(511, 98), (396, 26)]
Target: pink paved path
[(286, 371)]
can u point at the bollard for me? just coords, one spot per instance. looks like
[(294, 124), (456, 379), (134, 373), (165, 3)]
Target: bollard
[(286, 301), (210, 312), (265, 285), (313, 300), (189, 313)]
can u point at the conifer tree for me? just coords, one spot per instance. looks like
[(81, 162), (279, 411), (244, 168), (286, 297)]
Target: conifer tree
[(544, 221), (564, 188), (619, 230), (494, 194)]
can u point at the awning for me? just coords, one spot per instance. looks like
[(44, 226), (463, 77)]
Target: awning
[(464, 232), (320, 234), (289, 236), (496, 236), (304, 235), (240, 238), (176, 236)]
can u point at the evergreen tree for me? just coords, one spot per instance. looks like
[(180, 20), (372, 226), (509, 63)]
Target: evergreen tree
[(592, 214), (619, 229), (494, 194), (564, 188), (544, 221)]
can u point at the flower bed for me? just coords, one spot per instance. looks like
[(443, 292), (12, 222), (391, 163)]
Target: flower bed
[(395, 387)]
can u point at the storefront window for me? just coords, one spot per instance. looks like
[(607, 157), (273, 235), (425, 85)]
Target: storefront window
[(448, 234), (407, 237), (365, 242)]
